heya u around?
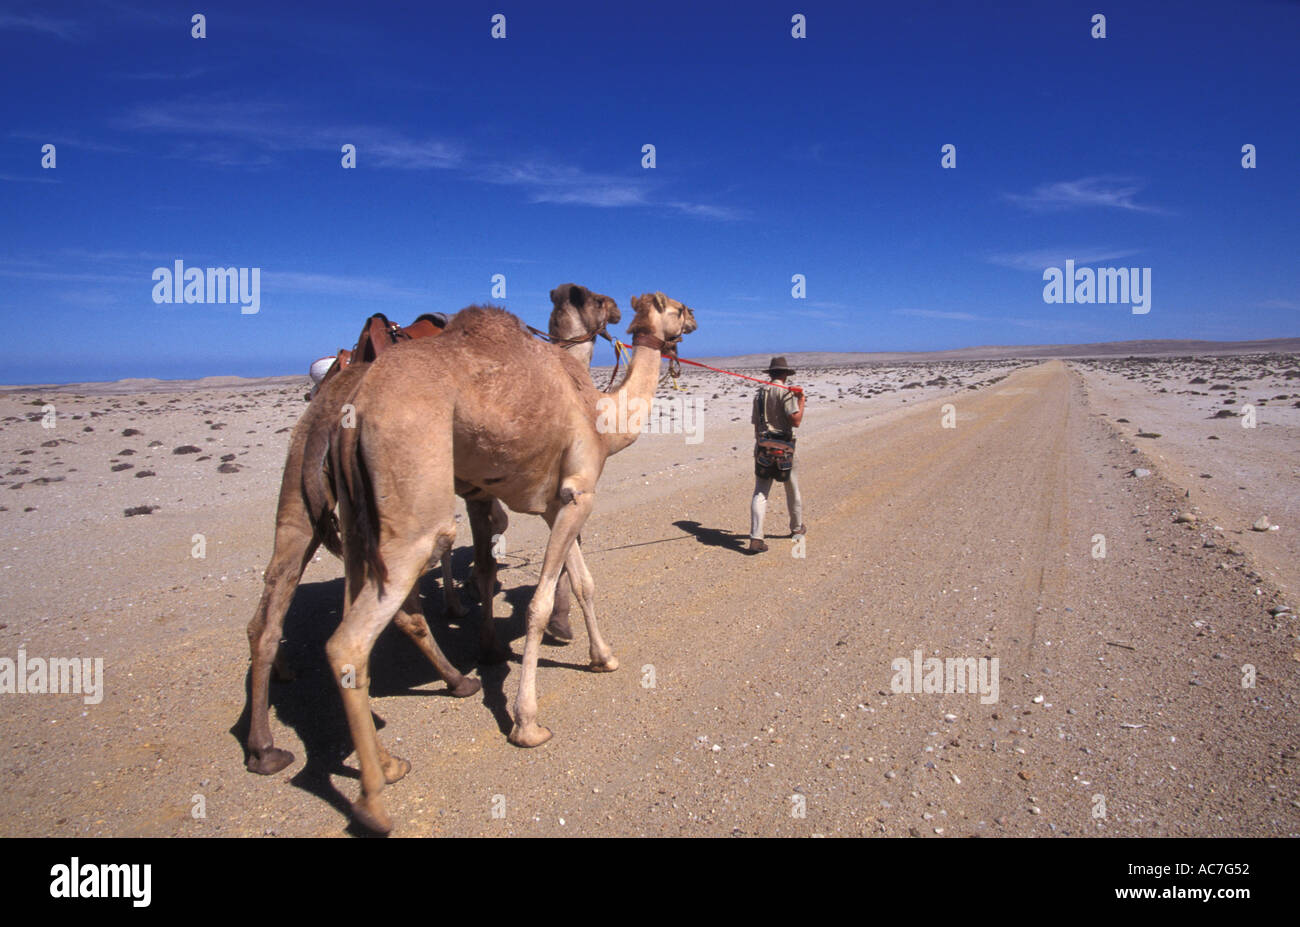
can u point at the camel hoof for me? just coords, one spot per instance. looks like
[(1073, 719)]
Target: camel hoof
[(465, 688), (269, 762), (559, 631), (608, 665), (396, 769), (371, 814), (533, 735)]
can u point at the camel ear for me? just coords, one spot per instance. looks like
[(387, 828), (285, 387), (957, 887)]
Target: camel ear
[(661, 301), (579, 295)]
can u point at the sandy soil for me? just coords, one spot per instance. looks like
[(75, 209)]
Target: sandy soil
[(1120, 677), (1186, 415)]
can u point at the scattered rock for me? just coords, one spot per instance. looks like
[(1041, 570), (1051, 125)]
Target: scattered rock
[(1185, 518), (1139, 472), (141, 510), (186, 449), (129, 432), (1261, 524)]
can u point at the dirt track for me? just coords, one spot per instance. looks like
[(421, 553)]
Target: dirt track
[(772, 673)]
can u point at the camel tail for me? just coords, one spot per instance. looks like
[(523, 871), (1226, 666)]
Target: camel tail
[(353, 477), (316, 490)]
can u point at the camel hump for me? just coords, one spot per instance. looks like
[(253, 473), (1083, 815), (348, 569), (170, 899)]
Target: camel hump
[(485, 322)]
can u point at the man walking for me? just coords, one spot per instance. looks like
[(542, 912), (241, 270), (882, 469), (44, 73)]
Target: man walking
[(778, 410)]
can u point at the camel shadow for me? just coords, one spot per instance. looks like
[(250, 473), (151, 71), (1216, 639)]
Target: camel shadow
[(715, 537), (310, 705), (508, 630)]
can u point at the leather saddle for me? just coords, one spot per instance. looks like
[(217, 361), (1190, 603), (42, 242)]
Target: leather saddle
[(378, 335)]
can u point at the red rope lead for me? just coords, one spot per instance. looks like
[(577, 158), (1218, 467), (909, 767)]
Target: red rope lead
[(730, 373)]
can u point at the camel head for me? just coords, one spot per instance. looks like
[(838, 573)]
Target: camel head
[(578, 312), (661, 317)]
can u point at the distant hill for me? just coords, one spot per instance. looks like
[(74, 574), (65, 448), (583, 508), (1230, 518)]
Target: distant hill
[(798, 359)]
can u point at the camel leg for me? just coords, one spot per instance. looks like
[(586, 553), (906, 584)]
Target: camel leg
[(565, 525), (584, 590), (483, 524), (410, 618), (559, 628), (295, 543), (450, 599), (348, 649)]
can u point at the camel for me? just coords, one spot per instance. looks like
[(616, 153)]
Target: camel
[(576, 319), (304, 520), (484, 405)]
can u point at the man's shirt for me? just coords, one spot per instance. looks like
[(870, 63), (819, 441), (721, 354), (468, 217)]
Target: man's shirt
[(780, 405)]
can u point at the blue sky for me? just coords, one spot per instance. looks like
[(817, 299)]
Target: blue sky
[(522, 156)]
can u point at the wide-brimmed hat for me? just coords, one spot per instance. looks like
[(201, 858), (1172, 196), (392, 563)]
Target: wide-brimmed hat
[(779, 365)]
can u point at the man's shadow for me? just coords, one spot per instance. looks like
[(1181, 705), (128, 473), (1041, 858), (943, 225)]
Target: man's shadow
[(715, 537)]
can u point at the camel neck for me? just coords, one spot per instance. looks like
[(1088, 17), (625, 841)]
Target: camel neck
[(640, 383), (582, 352), (642, 374)]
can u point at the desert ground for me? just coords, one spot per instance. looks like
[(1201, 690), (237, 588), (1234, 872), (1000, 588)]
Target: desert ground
[(1121, 710)]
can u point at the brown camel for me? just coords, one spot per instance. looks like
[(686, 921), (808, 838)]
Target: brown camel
[(304, 520), (485, 405)]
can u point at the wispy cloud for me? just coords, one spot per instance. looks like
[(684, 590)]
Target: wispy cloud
[(940, 314), (548, 183), (69, 140), (133, 268), (1039, 259), (252, 129), (560, 183), (706, 211), (339, 286), (35, 22), (1289, 304), (33, 178), (1100, 191), (829, 304), (181, 74), (1045, 324), (247, 134)]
